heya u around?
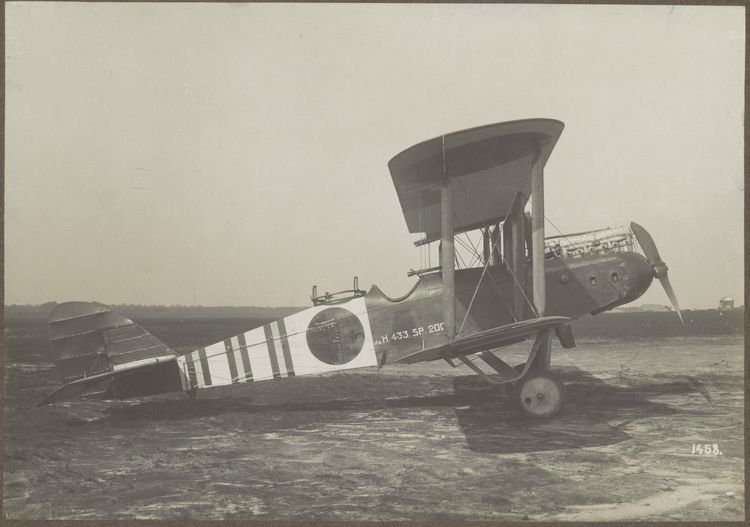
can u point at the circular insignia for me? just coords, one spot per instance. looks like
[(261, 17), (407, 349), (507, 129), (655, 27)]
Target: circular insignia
[(335, 336)]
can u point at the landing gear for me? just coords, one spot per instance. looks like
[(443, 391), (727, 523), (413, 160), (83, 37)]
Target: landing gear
[(512, 387), (539, 394), (534, 390)]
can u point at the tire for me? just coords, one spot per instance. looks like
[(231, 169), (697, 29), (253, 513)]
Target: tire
[(539, 395)]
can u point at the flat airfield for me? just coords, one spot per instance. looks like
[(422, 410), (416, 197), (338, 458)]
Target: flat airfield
[(420, 442)]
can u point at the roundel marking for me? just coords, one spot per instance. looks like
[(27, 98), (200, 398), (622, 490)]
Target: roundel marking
[(335, 336)]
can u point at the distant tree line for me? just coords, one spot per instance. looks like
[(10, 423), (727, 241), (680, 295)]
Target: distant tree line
[(162, 311)]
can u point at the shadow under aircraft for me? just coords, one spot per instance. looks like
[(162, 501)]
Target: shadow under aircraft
[(485, 416)]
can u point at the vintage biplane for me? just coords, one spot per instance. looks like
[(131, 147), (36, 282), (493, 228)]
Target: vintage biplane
[(523, 287)]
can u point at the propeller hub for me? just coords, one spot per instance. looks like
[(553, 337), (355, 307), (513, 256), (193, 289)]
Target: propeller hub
[(660, 269)]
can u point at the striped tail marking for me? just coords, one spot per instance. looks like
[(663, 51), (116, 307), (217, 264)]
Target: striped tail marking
[(234, 361), (274, 351), (285, 347), (270, 340)]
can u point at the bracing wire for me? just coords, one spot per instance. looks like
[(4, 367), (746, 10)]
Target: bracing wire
[(479, 282), (531, 305)]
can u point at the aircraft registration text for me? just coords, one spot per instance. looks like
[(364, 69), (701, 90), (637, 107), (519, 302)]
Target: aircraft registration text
[(416, 332)]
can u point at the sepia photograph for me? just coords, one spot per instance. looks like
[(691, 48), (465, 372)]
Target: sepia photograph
[(374, 262)]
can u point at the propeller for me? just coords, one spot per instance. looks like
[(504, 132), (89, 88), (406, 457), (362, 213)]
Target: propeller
[(657, 264)]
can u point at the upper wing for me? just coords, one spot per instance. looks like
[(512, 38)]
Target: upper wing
[(484, 340), (489, 164)]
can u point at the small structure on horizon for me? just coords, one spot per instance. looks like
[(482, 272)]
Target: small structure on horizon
[(655, 307), (726, 303)]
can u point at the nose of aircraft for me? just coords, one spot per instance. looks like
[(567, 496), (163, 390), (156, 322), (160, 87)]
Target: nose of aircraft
[(637, 276)]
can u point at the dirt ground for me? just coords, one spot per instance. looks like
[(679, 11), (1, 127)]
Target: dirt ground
[(419, 442)]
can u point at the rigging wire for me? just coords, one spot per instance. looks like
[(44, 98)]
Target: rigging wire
[(493, 244), (463, 244), (479, 282), (474, 248), (500, 294), (531, 305), (476, 256), (458, 256), (513, 275)]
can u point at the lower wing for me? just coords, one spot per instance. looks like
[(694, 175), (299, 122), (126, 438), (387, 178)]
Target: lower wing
[(488, 339)]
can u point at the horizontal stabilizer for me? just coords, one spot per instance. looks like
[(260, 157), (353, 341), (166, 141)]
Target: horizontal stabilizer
[(147, 377), (76, 388), (489, 339)]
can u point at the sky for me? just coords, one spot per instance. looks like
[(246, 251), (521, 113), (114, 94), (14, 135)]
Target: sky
[(236, 154)]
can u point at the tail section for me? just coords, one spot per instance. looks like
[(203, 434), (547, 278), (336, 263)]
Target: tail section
[(95, 347)]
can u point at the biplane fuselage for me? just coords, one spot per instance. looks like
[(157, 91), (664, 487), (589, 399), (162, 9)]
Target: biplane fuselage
[(369, 328), (576, 286)]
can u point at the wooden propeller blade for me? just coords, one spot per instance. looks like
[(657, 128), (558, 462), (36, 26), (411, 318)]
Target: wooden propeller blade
[(665, 283), (647, 244), (660, 268)]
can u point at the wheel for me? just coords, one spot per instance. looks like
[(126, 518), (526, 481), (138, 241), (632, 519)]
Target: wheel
[(539, 394)]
